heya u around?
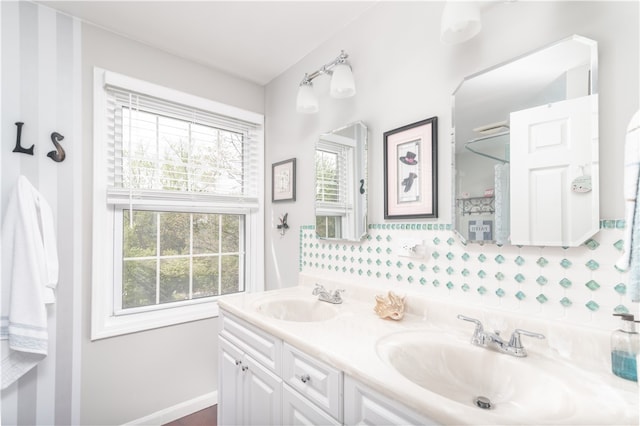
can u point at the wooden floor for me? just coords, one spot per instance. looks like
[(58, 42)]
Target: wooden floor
[(206, 417)]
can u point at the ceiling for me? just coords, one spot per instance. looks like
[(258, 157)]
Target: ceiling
[(253, 40)]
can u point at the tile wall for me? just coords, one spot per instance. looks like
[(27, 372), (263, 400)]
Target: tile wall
[(579, 285)]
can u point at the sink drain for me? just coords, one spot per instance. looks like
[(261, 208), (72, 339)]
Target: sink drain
[(483, 402)]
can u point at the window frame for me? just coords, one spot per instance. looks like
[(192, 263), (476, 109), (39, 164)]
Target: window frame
[(104, 321)]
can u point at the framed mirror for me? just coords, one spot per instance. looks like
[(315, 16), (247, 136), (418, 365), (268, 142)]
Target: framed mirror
[(341, 183), (525, 149)]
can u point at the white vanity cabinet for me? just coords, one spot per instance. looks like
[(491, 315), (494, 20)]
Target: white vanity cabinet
[(365, 406), (249, 384), (264, 381)]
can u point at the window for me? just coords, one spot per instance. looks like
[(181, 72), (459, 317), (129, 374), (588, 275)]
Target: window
[(177, 205), (333, 211), (170, 257)]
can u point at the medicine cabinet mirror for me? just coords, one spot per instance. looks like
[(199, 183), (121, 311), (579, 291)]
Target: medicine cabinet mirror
[(341, 183), (525, 142)]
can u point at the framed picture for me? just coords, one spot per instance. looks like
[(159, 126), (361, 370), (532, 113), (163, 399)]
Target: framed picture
[(410, 171), (283, 180)]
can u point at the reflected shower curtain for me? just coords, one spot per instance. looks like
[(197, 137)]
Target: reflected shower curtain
[(501, 189)]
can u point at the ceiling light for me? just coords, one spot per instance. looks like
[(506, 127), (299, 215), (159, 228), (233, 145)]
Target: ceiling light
[(460, 22), (342, 84)]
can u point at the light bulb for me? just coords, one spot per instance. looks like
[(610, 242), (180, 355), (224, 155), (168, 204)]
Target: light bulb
[(342, 84), (460, 22), (306, 101)]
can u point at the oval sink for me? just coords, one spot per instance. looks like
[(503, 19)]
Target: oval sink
[(518, 389), (300, 310)]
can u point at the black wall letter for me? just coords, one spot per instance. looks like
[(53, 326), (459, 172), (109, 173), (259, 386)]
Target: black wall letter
[(19, 147), (58, 155)]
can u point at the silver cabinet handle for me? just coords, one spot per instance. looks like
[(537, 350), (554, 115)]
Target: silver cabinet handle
[(304, 378), (238, 362), (244, 368)]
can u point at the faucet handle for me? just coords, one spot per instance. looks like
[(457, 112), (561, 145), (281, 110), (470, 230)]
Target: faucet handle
[(478, 334), (318, 288), (515, 342), (337, 294), (473, 320)]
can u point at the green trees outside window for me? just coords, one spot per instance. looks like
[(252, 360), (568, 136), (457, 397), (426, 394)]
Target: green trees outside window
[(174, 256)]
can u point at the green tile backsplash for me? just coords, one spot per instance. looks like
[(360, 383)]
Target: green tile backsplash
[(578, 284)]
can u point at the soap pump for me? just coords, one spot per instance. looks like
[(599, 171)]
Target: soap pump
[(625, 344)]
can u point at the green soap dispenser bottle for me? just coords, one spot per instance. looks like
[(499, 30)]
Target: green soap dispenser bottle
[(625, 344)]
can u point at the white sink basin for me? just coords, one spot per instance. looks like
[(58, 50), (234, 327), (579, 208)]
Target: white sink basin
[(298, 309), (520, 390)]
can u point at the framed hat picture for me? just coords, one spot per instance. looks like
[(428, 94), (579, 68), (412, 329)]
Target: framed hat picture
[(410, 171)]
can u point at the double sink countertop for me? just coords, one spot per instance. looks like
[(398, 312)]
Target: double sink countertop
[(351, 337)]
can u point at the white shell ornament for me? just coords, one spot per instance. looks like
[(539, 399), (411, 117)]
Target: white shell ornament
[(581, 184), (391, 306)]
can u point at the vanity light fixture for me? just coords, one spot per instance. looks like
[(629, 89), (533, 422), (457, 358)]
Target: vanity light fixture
[(460, 21), (342, 84)]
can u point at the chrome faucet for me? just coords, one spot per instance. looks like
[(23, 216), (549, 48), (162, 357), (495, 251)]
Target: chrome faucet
[(486, 339), (325, 296)]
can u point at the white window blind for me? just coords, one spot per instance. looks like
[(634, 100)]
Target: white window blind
[(331, 176), (161, 152)]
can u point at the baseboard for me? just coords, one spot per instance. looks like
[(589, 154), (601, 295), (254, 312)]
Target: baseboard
[(177, 411)]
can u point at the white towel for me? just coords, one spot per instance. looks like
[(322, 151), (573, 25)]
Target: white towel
[(631, 251), (29, 276)]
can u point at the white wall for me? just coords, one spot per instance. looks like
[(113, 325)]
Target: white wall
[(131, 377), (404, 74)]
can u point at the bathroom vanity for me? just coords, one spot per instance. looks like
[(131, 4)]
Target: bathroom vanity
[(287, 358)]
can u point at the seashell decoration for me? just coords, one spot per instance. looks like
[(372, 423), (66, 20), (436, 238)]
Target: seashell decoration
[(391, 306)]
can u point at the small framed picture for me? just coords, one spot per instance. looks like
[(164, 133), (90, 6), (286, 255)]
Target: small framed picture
[(410, 171), (480, 230), (283, 180)]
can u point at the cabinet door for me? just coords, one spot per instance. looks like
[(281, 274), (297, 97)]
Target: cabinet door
[(230, 386), (263, 395), (364, 406), (297, 410)]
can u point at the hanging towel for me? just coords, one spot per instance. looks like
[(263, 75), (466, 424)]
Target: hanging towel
[(630, 259), (501, 186), (29, 276)]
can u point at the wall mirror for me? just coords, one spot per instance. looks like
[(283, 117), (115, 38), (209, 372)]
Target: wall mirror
[(525, 142), (341, 183)]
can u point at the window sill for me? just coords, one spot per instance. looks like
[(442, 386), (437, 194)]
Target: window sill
[(117, 325)]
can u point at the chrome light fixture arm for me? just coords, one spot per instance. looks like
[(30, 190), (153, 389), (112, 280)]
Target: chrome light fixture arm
[(342, 84), (325, 69)]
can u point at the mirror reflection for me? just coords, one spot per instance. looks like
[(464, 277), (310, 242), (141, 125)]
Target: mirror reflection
[(341, 183), (526, 149)]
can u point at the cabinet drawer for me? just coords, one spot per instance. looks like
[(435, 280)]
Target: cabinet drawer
[(297, 410), (260, 345), (315, 380), (365, 406)]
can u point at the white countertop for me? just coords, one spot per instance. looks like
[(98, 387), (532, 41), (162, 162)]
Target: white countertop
[(348, 342)]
